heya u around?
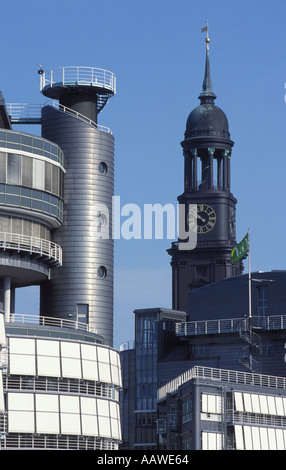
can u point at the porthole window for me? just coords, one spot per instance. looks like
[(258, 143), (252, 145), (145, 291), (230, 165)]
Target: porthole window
[(101, 221), (101, 272), (102, 168)]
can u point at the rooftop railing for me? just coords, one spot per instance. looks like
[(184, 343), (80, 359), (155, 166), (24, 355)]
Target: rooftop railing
[(77, 75), (221, 375), (207, 327)]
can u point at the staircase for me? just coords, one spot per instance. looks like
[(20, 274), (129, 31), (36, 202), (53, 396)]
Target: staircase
[(252, 349)]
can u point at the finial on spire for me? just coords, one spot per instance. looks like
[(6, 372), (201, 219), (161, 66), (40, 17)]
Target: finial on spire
[(206, 29), (207, 95)]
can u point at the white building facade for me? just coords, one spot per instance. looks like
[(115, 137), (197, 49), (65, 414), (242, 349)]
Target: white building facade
[(57, 392)]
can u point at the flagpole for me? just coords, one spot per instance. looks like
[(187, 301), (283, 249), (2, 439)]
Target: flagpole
[(249, 279)]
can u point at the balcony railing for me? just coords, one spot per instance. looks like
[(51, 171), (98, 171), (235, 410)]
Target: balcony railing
[(49, 321), (32, 245)]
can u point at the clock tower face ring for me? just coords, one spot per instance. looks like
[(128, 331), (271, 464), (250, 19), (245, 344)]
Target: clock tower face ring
[(203, 219)]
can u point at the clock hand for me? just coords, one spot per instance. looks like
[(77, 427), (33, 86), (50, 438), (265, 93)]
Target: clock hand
[(203, 220), (195, 214)]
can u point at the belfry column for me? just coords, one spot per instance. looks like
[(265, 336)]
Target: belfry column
[(195, 168), (211, 152)]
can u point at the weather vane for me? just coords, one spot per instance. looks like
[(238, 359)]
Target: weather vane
[(206, 28)]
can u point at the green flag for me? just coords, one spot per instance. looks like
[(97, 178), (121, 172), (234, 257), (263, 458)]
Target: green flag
[(240, 250)]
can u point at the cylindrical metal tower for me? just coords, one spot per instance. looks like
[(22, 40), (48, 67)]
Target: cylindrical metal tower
[(82, 288)]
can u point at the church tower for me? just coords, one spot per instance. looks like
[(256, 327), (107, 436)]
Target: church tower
[(207, 149)]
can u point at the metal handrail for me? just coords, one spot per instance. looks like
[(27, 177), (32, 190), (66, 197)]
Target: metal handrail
[(233, 325), (211, 326), (32, 111), (48, 321), (78, 75), (230, 376), (260, 419), (29, 113), (80, 116), (15, 241)]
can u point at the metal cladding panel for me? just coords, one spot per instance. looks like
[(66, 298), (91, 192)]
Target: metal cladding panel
[(88, 191)]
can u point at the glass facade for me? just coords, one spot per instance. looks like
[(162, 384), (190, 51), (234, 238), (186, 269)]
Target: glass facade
[(146, 375), (31, 172), (32, 199), (22, 226), (262, 301), (31, 144), (146, 362)]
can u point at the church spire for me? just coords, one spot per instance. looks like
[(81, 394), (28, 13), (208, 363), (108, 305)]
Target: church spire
[(207, 95)]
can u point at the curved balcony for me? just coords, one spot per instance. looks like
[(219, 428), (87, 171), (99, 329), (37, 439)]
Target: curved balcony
[(102, 82), (22, 319), (49, 252)]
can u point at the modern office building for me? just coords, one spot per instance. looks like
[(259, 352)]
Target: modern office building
[(213, 351), (60, 376), (140, 364), (217, 409), (208, 374)]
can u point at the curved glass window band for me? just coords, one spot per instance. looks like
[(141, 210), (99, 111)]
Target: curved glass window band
[(31, 172), (31, 199), (29, 143)]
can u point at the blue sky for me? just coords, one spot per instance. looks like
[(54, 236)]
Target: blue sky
[(157, 52)]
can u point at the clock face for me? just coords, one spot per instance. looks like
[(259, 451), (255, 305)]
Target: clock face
[(203, 219)]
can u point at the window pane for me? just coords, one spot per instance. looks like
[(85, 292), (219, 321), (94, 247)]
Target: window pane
[(255, 403), (256, 438), (239, 437), (55, 180), (264, 439), (48, 177), (82, 313), (262, 300), (2, 167), (13, 169), (27, 171), (272, 439), (27, 228), (16, 225), (5, 224), (39, 174)]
